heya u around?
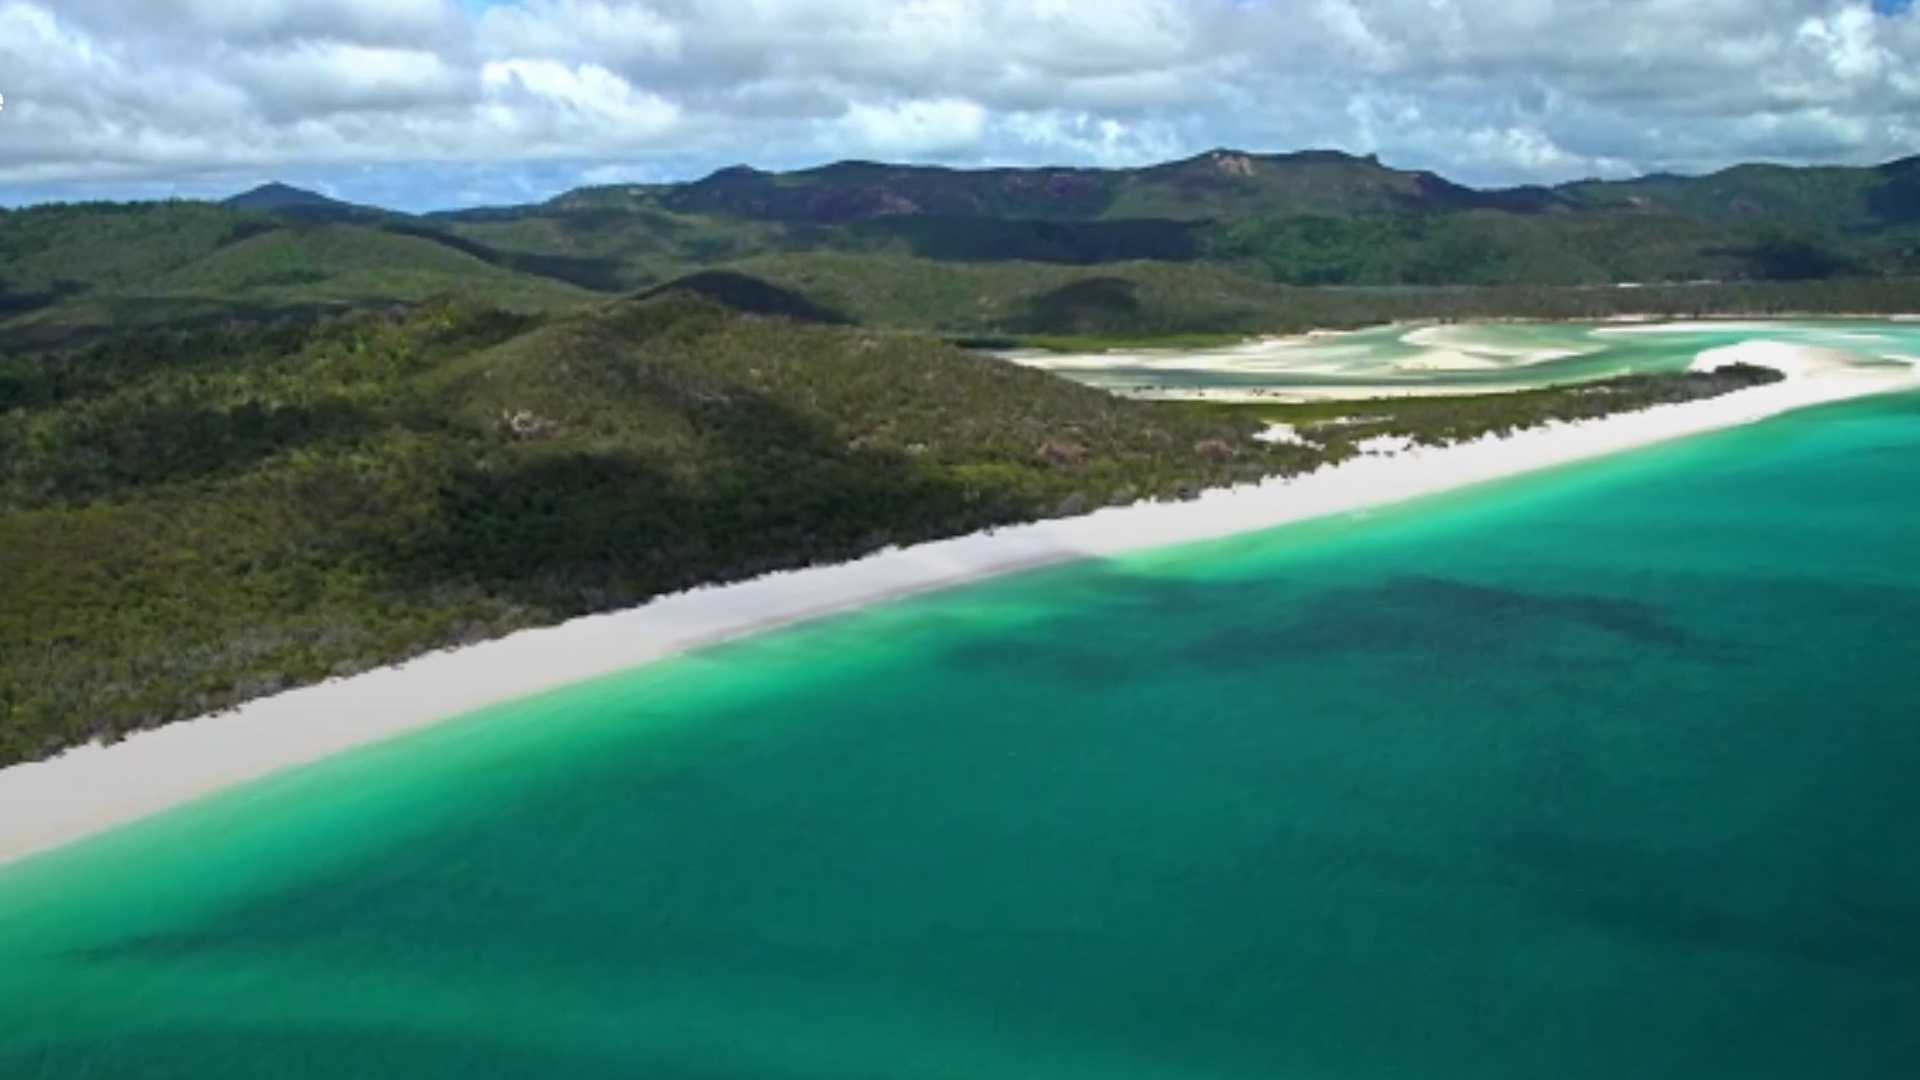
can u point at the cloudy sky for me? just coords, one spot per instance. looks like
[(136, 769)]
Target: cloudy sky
[(428, 103)]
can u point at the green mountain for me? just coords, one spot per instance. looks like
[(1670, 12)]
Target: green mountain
[(1218, 184), (1233, 185), (1312, 218), (1225, 242), (1832, 197), (109, 265), (283, 197)]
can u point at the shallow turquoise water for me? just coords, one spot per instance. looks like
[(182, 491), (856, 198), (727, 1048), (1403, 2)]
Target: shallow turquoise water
[(1606, 773), (1515, 355)]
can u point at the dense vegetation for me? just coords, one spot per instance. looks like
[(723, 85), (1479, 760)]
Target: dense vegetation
[(1012, 303), (1305, 219), (194, 517), (251, 445)]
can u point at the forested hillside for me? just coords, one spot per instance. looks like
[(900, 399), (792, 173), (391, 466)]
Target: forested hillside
[(249, 445), (191, 518), (1310, 218)]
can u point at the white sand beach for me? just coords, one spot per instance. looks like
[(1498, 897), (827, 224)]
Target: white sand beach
[(46, 804), (1332, 391)]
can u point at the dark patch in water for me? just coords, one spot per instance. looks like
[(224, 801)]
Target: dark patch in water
[(1437, 615), (1846, 915), (1242, 625), (290, 1053)]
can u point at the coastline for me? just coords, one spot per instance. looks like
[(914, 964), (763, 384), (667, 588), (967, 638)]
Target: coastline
[(47, 804), (1688, 320), (1254, 356)]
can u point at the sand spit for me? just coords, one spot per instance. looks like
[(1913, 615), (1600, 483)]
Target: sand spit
[(1486, 350), (1382, 362), (46, 804), (1287, 434), (1299, 393)]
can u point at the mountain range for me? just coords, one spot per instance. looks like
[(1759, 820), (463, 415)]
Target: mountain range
[(1219, 242), (1228, 184)]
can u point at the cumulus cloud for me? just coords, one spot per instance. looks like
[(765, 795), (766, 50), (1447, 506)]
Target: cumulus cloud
[(374, 22), (916, 128), (307, 79), (139, 93), (551, 105)]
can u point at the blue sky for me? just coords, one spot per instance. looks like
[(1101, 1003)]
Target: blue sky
[(431, 103)]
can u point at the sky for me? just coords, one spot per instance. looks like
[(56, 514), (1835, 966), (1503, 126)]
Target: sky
[(423, 104)]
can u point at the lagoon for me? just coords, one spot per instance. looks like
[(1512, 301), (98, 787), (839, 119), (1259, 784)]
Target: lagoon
[(1470, 358)]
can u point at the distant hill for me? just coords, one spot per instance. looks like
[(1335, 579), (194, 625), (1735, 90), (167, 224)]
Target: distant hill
[(1235, 185), (104, 264), (1210, 243), (1307, 218), (278, 196), (1217, 184)]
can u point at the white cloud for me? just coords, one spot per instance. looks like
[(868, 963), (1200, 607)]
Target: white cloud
[(313, 79), (1083, 137), (916, 128), (370, 21), (1530, 152), (576, 30), (542, 108), (1845, 44), (1485, 90)]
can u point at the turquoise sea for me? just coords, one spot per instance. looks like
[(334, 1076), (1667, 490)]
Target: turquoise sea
[(1607, 773)]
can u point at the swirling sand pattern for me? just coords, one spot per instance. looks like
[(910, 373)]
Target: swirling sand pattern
[(1464, 359)]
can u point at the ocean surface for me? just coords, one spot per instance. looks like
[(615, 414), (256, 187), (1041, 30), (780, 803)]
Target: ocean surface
[(1611, 772)]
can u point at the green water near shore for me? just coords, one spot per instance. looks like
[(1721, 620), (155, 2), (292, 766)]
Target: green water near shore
[(1600, 774)]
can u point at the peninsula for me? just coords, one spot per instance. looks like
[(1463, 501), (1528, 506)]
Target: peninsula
[(89, 788)]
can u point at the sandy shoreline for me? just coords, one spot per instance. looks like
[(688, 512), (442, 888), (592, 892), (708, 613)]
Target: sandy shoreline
[(50, 803)]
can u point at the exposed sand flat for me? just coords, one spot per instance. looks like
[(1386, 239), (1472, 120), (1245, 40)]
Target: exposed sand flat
[(1431, 337), (1332, 360), (1329, 391), (1266, 356), (49, 803), (1351, 365), (1795, 361), (1386, 444), (1475, 340), (1691, 326), (1448, 360), (1440, 359), (1283, 433)]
